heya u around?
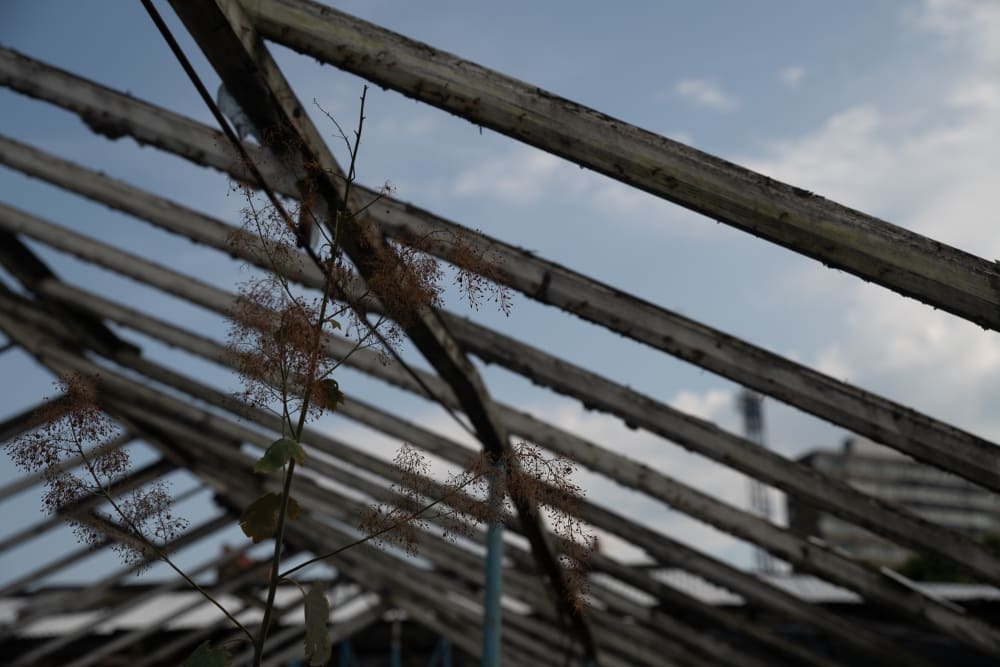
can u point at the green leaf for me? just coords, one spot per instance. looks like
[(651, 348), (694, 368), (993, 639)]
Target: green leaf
[(317, 616), (278, 454), (206, 656), (332, 396), (259, 521)]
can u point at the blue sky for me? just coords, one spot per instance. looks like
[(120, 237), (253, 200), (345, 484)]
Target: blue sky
[(888, 107)]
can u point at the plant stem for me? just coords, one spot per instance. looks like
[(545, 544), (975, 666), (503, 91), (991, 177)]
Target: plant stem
[(272, 584), (152, 545), (387, 529)]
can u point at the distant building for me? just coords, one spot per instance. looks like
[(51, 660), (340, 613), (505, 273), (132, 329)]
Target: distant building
[(879, 471)]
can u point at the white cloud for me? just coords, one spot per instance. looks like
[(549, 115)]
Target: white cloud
[(933, 170), (967, 25), (521, 176), (792, 76), (705, 93)]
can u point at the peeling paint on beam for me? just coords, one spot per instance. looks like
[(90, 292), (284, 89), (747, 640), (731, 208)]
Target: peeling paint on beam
[(840, 237)]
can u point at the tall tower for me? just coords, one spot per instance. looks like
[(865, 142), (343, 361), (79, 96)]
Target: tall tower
[(751, 406)]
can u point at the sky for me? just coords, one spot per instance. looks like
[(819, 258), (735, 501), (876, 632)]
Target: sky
[(887, 107)]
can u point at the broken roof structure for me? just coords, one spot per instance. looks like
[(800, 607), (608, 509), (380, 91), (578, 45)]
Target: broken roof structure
[(194, 426)]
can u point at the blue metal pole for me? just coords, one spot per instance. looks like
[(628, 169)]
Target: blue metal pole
[(445, 652), (396, 656), (346, 654), (494, 580)]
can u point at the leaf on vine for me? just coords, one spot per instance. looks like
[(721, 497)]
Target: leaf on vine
[(332, 396), (278, 454), (317, 615), (259, 520), (206, 656)]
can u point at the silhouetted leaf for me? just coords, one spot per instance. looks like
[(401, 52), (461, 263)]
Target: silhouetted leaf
[(332, 396), (278, 454), (317, 615), (206, 656), (259, 521)]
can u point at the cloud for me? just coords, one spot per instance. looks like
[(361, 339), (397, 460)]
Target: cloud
[(792, 76), (932, 169), (967, 25), (704, 93), (521, 176)]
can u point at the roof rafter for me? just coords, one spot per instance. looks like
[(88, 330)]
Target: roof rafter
[(661, 547), (812, 557), (232, 46), (895, 425), (872, 249)]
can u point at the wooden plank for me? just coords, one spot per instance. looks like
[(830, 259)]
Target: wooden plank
[(82, 507), (918, 435), (840, 237), (826, 493), (662, 547), (35, 655), (95, 594), (810, 556)]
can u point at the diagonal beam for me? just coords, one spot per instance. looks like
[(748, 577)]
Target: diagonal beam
[(876, 417), (34, 656), (810, 556), (146, 410), (831, 495), (840, 237), (661, 547), (827, 493), (231, 45)]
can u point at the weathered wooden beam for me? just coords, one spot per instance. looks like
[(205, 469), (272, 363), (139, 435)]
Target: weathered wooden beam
[(95, 594), (840, 237), (35, 655), (811, 556), (885, 421), (666, 549), (826, 493), (117, 643), (82, 507), (229, 41)]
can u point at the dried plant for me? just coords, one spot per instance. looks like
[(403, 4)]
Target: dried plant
[(480, 495), (277, 337), (76, 428)]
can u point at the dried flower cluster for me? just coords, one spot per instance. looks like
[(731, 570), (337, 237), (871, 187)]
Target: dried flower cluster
[(76, 429), (480, 495)]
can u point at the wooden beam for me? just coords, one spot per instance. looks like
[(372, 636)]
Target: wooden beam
[(83, 506), (811, 556), (840, 237), (34, 656), (231, 45), (663, 548), (876, 417), (826, 493)]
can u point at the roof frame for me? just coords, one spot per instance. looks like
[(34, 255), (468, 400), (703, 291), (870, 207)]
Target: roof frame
[(63, 325)]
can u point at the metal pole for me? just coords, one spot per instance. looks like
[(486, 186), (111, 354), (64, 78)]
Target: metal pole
[(494, 577), (396, 655)]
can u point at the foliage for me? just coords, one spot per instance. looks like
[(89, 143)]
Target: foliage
[(76, 429)]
